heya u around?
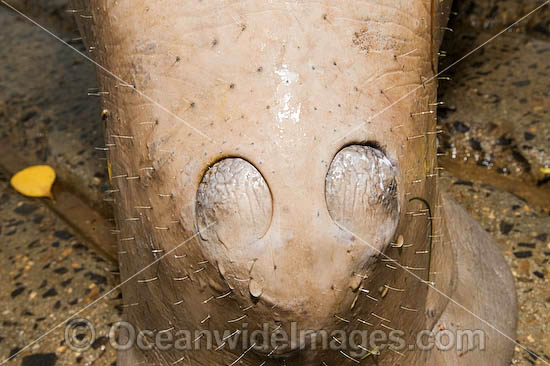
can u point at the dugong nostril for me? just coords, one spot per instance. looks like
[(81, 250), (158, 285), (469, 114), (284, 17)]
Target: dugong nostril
[(233, 204), (361, 193)]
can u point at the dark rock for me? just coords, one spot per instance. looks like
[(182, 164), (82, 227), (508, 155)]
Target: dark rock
[(100, 341), (62, 234), (461, 182), (61, 270), (27, 116), (79, 246), (40, 359), (96, 278), (33, 244), (66, 283), (518, 156), (506, 227), (475, 144), (25, 209), (503, 141), (523, 254), (461, 126), (529, 136), (51, 292), (542, 237), (17, 292), (37, 219), (13, 352), (521, 83), (477, 64)]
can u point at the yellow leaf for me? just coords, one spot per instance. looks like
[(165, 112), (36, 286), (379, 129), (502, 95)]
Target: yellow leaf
[(545, 170), (34, 181)]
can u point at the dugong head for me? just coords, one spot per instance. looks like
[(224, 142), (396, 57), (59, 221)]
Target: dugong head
[(273, 188)]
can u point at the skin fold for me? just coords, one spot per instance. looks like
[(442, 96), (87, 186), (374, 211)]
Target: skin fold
[(268, 153)]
